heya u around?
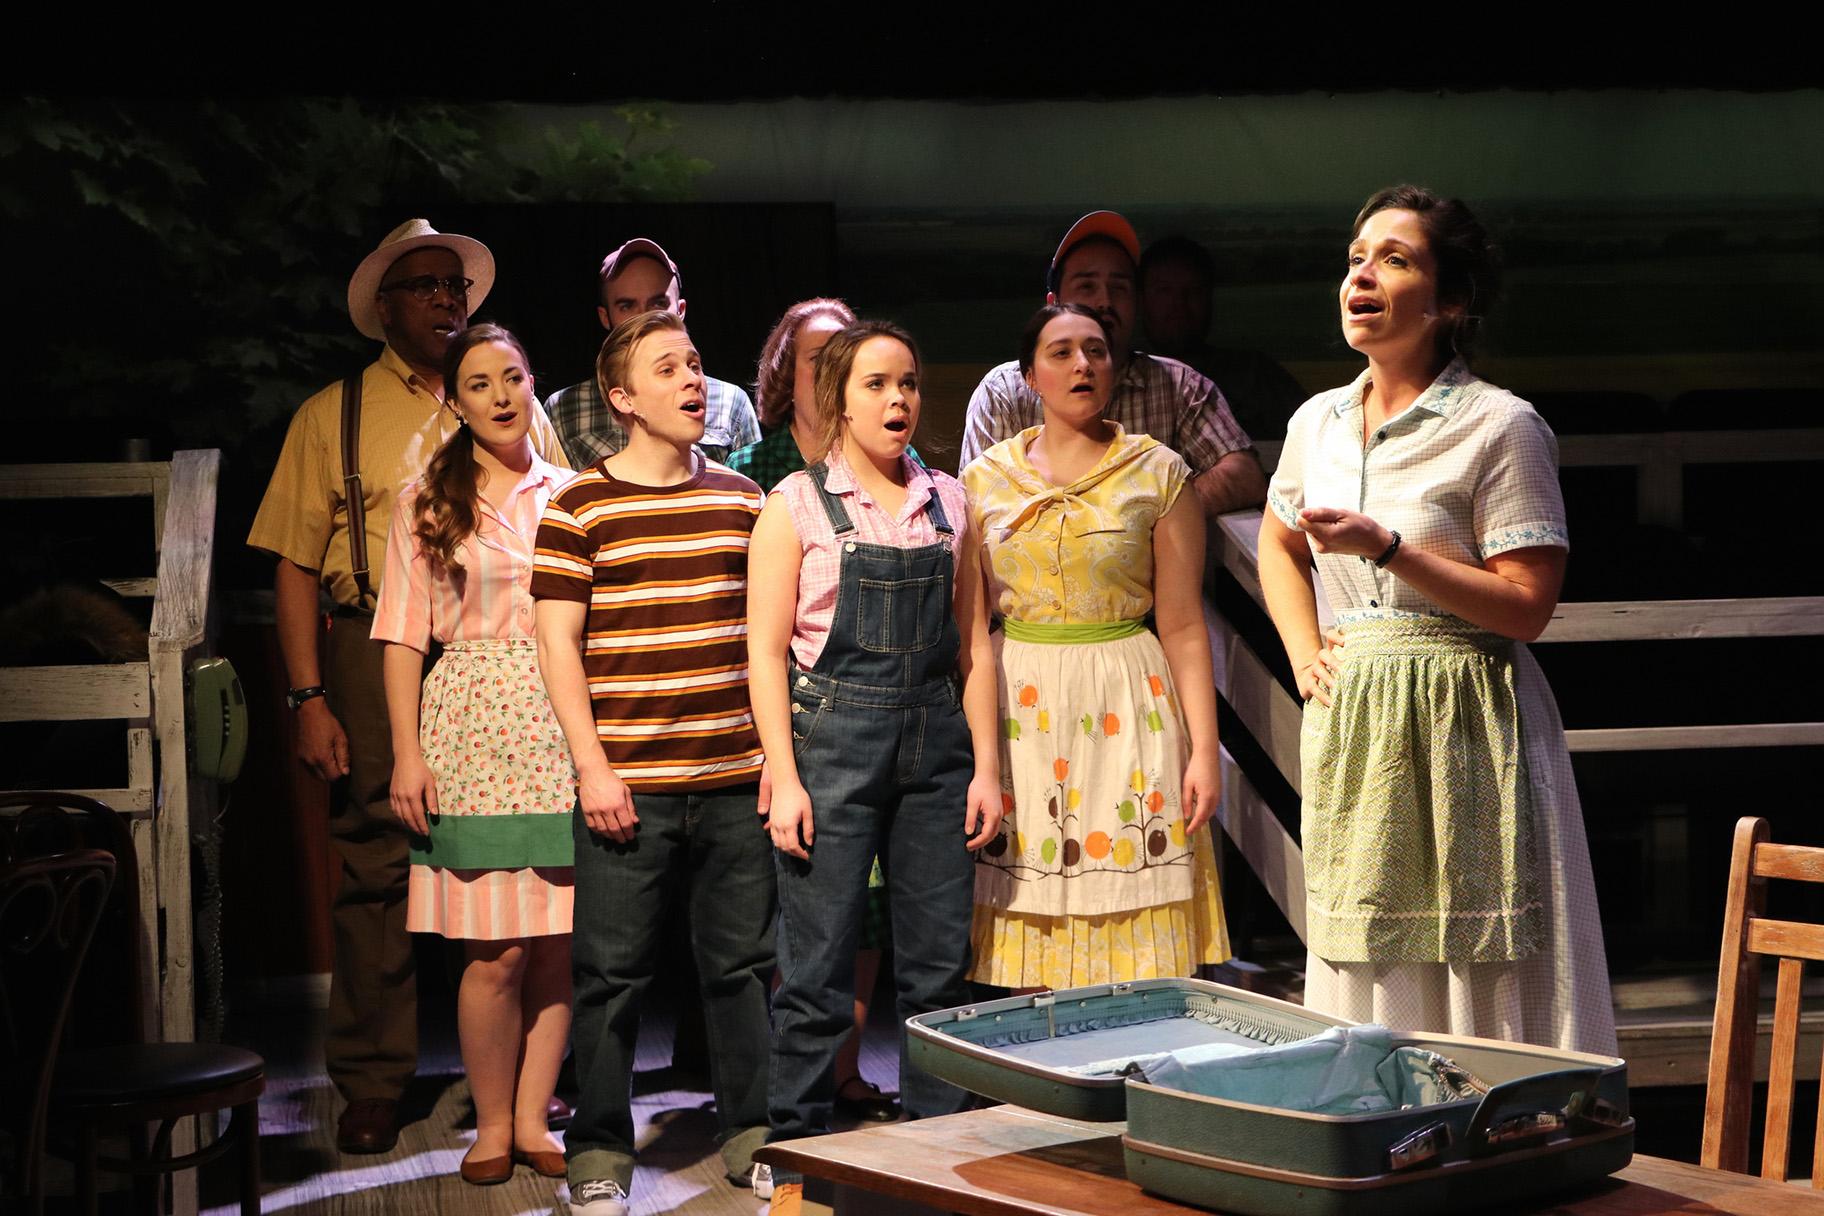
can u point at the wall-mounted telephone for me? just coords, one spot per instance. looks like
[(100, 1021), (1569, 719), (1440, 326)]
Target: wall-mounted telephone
[(218, 719)]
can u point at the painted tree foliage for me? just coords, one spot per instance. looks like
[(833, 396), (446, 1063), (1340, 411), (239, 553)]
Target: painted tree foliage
[(181, 266)]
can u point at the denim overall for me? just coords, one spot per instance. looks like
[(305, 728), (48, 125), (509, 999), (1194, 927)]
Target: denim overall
[(884, 752)]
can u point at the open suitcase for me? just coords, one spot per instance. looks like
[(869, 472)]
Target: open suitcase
[(1488, 1121)]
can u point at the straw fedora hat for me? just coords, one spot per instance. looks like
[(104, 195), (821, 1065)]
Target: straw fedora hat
[(477, 264)]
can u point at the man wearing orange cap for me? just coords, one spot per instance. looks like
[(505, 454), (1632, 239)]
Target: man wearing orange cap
[(1095, 266), (325, 517)]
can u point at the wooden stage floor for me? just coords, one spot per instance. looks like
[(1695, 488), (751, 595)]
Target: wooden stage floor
[(680, 1170)]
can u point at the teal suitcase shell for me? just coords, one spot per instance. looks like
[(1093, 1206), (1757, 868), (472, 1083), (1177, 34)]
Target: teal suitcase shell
[(1549, 1120)]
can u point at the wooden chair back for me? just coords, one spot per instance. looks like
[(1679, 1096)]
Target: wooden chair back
[(49, 908), (109, 1006), (1748, 936)]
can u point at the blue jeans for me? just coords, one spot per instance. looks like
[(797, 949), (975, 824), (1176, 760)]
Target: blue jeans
[(711, 849), (890, 779)]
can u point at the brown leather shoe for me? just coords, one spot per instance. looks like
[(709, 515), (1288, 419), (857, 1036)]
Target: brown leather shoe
[(368, 1125), (542, 1160), (558, 1112), (491, 1172)]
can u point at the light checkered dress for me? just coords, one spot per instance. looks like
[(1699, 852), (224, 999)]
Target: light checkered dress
[(1467, 472)]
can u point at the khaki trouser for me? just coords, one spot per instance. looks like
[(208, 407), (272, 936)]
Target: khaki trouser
[(371, 1048)]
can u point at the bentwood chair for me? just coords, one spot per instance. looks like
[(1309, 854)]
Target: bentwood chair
[(1748, 936), (49, 908), (109, 1079)]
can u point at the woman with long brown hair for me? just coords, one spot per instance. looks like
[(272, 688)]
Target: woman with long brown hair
[(481, 774)]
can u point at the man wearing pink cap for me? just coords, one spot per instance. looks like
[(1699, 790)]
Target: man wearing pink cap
[(325, 517), (1095, 266), (641, 277)]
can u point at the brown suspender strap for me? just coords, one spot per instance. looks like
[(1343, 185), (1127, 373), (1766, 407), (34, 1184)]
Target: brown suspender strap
[(351, 485)]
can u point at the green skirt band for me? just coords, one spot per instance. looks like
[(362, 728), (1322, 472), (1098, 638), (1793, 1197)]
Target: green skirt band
[(495, 842), (1057, 634)]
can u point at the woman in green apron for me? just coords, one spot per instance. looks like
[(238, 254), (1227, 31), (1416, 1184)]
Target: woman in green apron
[(1447, 875)]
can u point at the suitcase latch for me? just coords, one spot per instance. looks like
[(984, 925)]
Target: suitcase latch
[(1525, 1127), (1045, 1001), (1602, 1112), (1419, 1147)]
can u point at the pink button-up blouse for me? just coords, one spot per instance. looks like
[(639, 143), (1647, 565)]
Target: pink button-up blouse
[(491, 597)]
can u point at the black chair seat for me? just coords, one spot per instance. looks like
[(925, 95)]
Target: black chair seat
[(109, 1075)]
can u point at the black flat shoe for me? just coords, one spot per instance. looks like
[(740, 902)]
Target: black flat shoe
[(872, 1106)]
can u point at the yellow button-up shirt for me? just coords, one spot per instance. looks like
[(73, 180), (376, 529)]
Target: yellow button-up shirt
[(304, 516), (1075, 554)]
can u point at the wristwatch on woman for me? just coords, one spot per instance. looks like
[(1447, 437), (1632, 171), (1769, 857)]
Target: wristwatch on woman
[(296, 697)]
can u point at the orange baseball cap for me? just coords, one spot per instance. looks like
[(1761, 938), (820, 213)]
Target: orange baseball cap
[(1110, 224)]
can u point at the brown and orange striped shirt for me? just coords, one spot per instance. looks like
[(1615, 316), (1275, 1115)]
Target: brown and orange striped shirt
[(664, 572)]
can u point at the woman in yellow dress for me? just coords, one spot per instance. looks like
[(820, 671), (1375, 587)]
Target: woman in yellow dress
[(1103, 870)]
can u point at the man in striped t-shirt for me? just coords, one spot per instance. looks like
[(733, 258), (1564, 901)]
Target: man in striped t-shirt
[(641, 583)]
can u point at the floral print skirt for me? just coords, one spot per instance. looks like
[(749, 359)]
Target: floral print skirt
[(1093, 878), (497, 864)]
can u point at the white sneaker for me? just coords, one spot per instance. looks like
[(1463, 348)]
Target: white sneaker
[(761, 1179), (598, 1197)]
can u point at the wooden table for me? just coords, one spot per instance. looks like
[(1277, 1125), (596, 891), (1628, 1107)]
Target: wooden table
[(1006, 1161)]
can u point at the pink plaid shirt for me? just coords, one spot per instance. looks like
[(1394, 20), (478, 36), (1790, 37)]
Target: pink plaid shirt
[(818, 570), (493, 596)]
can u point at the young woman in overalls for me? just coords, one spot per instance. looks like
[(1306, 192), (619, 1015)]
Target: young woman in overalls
[(872, 681)]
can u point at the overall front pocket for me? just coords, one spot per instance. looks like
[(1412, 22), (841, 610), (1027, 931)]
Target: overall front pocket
[(900, 616)]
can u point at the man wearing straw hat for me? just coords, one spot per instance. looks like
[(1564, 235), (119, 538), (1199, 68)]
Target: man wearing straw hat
[(325, 517)]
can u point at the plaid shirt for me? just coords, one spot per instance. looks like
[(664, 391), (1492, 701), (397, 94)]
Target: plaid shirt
[(590, 429), (1163, 398), (770, 461), (776, 458)]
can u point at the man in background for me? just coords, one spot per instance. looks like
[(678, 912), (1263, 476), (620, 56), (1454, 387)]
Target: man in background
[(1177, 278), (641, 277)]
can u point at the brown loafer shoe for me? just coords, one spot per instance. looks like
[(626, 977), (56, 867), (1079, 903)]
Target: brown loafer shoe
[(542, 1160), (491, 1172), (558, 1112), (368, 1125)]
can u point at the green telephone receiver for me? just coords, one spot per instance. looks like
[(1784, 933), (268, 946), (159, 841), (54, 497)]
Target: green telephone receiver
[(218, 719)]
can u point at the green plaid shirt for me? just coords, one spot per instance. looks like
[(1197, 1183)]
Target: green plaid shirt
[(590, 430), (775, 458)]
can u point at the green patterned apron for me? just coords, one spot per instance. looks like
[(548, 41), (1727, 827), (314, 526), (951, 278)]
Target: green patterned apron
[(1418, 819)]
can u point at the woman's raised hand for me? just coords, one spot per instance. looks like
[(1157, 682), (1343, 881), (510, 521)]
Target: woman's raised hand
[(1334, 530)]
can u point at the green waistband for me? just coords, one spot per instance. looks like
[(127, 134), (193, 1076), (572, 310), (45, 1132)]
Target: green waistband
[(1057, 634)]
